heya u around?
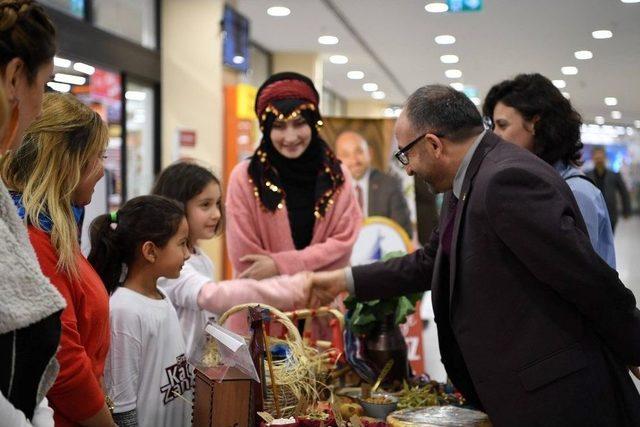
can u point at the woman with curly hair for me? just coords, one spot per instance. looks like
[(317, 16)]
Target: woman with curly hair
[(530, 111)]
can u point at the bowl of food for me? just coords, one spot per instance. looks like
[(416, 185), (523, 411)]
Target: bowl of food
[(379, 405)]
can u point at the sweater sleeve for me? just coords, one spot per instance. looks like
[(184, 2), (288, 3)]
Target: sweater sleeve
[(76, 394), (284, 293), (242, 229)]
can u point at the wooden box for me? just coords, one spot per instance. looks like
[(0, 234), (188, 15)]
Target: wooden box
[(223, 404)]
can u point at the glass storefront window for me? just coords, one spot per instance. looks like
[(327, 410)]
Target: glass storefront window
[(103, 93), (140, 139), (132, 19), (72, 7)]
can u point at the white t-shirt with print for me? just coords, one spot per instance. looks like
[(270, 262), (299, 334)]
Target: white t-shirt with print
[(146, 368), (183, 293)]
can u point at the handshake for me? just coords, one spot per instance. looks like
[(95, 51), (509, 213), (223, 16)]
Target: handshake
[(323, 287), (319, 288)]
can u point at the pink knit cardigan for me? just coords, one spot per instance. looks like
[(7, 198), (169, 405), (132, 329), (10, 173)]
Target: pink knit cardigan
[(251, 229)]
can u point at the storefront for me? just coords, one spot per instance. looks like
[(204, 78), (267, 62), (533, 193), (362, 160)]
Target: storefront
[(109, 58)]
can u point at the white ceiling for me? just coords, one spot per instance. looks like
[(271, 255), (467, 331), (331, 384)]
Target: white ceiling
[(506, 38)]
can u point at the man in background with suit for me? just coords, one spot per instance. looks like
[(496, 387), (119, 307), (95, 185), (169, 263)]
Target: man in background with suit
[(533, 326), (611, 185), (378, 194)]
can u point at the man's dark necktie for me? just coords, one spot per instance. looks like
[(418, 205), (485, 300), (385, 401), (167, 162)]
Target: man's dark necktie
[(447, 234)]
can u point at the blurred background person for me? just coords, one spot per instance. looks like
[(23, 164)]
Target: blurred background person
[(532, 113), (611, 185), (378, 193)]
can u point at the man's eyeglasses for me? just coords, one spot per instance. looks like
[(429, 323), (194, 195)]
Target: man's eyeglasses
[(401, 154)]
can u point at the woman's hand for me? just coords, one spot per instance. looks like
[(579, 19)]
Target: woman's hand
[(262, 267)]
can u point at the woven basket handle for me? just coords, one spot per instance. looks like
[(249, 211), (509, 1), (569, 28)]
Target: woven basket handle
[(278, 315)]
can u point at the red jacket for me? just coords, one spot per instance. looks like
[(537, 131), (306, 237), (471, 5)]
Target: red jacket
[(77, 393)]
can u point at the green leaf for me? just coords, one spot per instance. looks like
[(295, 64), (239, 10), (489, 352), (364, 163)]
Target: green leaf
[(364, 319), (393, 254), (404, 308)]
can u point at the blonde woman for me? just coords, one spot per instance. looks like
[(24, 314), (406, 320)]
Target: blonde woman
[(51, 177), (29, 305)]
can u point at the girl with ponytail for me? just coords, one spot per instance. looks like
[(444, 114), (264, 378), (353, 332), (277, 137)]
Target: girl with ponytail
[(146, 372)]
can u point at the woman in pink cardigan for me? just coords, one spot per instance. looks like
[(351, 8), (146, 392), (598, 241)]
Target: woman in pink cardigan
[(290, 207)]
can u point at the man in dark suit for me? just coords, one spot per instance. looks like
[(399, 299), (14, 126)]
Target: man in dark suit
[(611, 185), (534, 327), (378, 194)]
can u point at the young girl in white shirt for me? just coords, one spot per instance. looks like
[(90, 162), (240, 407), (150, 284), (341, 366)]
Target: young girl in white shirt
[(196, 296), (146, 373)]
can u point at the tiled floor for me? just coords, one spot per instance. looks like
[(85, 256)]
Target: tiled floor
[(627, 240)]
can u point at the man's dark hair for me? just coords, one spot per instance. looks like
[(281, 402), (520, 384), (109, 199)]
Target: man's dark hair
[(557, 132), (443, 110)]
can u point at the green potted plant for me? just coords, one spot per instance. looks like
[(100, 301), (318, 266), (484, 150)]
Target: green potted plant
[(378, 321)]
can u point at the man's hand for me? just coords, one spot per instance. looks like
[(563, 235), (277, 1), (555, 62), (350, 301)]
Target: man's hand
[(326, 286), (262, 267)]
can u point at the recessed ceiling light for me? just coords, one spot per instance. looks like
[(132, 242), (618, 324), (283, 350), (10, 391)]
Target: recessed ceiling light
[(59, 87), (445, 39), (560, 84), (457, 86), (370, 87), (328, 40), (475, 100), (636, 123), (238, 59), (436, 7), (378, 94), (583, 54), (617, 115), (602, 34), (566, 95), (630, 1), (355, 75), (449, 59), (453, 74), (388, 112), (84, 68), (135, 95), (69, 78), (278, 11), (569, 71), (610, 101), (338, 59), (61, 62), (599, 120)]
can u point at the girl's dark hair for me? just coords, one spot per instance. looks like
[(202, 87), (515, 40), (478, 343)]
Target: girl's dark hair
[(26, 32), (142, 219), (184, 180), (557, 132)]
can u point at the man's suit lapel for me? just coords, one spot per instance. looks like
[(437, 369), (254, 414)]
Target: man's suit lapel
[(487, 144)]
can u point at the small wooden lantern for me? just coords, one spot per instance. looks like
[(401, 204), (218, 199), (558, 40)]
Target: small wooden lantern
[(223, 404)]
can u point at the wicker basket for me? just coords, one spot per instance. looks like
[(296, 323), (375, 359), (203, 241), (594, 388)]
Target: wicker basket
[(298, 378)]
